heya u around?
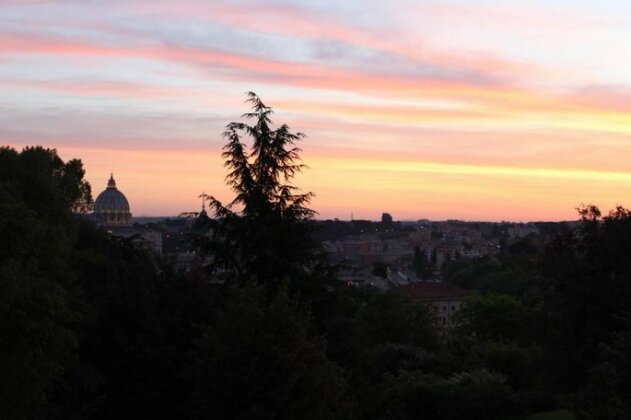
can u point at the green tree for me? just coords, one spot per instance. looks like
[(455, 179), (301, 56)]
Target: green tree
[(262, 358), (478, 394), (607, 394), (390, 317), (380, 269), (262, 235), (494, 317), (39, 196), (520, 364), (503, 274), (422, 267), (586, 292), (391, 333), (260, 361)]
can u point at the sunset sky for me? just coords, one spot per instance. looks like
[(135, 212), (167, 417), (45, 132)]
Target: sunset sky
[(470, 109)]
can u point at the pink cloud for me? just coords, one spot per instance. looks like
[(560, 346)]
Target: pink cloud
[(238, 67), (612, 98), (308, 23), (482, 100), (309, 75), (107, 88)]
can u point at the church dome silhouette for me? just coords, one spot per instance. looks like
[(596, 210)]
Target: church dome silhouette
[(111, 207)]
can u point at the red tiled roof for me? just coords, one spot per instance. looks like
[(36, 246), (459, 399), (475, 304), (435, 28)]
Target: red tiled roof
[(424, 290)]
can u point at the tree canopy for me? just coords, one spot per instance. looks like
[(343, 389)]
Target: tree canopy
[(39, 196)]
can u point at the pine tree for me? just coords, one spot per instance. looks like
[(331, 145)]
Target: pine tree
[(262, 235)]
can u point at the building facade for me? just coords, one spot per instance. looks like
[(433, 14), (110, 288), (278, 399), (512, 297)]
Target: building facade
[(445, 300)]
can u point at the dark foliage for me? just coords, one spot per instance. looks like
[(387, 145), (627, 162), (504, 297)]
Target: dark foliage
[(422, 266), (504, 274), (587, 290), (262, 235), (39, 198), (260, 361)]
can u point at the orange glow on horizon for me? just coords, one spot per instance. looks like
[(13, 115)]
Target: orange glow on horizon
[(409, 189)]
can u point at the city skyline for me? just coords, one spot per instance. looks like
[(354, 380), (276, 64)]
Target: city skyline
[(473, 110)]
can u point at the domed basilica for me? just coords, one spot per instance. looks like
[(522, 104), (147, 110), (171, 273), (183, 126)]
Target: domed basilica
[(111, 208)]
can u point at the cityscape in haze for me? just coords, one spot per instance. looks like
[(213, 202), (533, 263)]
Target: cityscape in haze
[(474, 110)]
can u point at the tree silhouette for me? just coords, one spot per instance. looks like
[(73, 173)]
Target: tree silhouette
[(260, 361), (261, 236), (39, 198), (586, 291), (422, 267)]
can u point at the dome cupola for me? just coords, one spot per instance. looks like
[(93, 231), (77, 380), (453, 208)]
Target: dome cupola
[(111, 208)]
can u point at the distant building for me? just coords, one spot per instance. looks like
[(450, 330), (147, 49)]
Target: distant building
[(522, 230), (446, 300), (386, 218), (111, 211), (111, 208), (420, 238)]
